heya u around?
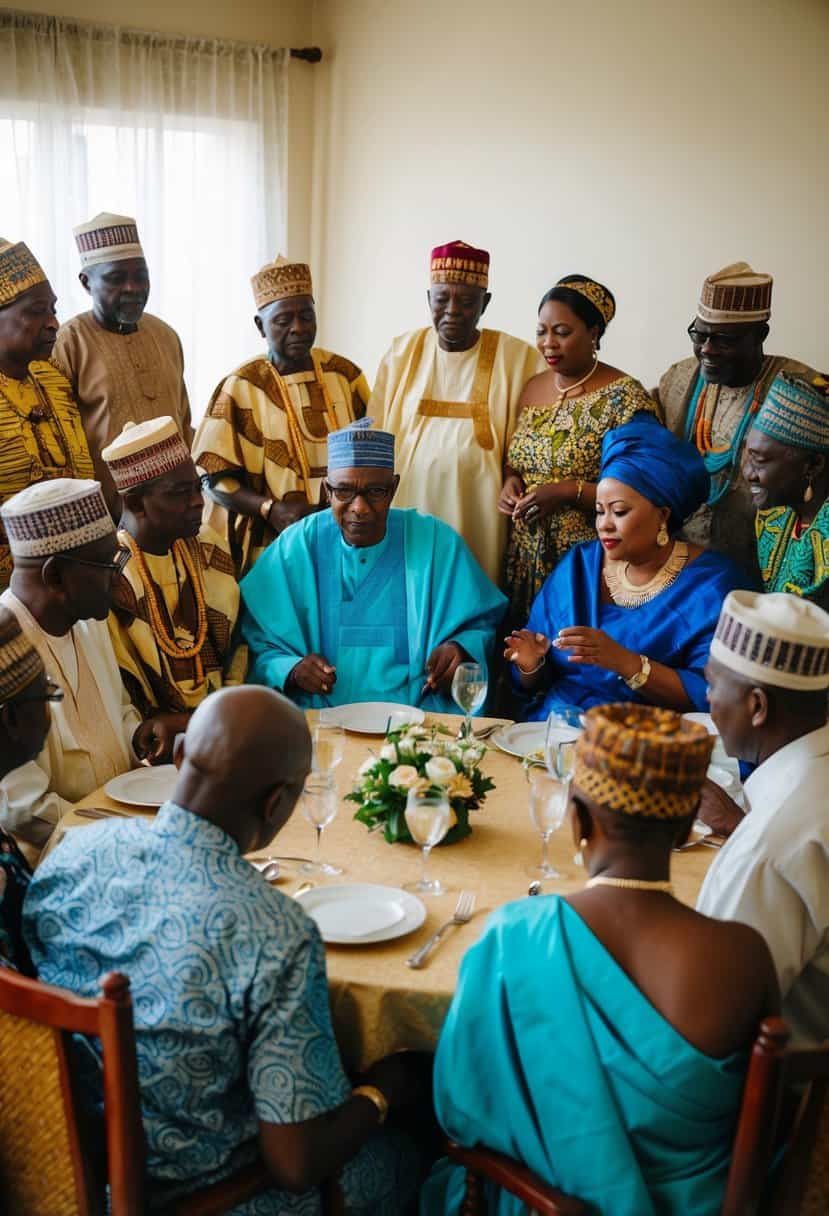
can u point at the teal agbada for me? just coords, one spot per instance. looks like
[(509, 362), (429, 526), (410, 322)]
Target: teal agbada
[(375, 613), (584, 1082)]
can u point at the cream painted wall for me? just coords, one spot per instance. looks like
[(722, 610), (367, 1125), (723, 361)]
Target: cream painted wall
[(644, 142)]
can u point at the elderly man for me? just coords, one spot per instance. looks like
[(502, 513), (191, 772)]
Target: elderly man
[(175, 605), (236, 1052), (262, 441), (450, 394), (365, 603), (712, 398), (124, 364), (41, 435), (768, 674)]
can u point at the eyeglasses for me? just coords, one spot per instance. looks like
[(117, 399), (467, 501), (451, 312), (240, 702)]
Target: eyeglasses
[(114, 567), (52, 693), (723, 340), (372, 494)]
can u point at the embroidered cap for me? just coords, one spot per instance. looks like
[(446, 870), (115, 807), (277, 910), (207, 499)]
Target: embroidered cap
[(359, 447), (596, 293), (775, 639), (144, 451), (458, 262), (734, 295), (279, 280), (20, 663), (796, 413), (107, 238), (55, 516), (640, 760), (19, 270)]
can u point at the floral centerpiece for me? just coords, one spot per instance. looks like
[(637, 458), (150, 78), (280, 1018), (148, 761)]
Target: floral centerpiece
[(414, 757)]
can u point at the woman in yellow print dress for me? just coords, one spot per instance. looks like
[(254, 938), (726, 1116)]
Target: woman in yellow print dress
[(553, 460)]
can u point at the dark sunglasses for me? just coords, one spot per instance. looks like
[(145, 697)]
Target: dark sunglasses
[(115, 567)]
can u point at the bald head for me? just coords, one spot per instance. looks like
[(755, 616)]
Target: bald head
[(243, 762)]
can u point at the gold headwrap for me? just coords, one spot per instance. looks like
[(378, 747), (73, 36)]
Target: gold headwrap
[(642, 761), (598, 296), (280, 279), (19, 270)]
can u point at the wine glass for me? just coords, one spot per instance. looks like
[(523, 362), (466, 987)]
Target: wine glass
[(469, 686), (319, 806), (563, 729), (328, 747), (427, 818), (549, 796)]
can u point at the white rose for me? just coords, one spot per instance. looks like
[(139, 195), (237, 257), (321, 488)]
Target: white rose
[(441, 770), (404, 776), (388, 752), (366, 767)]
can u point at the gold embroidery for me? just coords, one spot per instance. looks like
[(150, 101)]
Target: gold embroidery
[(477, 408)]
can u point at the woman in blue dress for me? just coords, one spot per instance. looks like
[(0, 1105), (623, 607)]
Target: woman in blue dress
[(630, 616)]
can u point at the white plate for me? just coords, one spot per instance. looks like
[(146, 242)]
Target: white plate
[(704, 720), (369, 717), (521, 739), (361, 913), (144, 786)]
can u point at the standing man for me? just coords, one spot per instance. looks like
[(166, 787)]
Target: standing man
[(262, 442), (124, 364), (712, 398), (767, 678), (450, 395)]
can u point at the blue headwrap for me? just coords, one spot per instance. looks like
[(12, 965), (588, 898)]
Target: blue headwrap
[(359, 447), (667, 471)]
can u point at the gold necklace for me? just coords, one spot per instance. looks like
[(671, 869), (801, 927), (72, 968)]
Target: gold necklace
[(631, 884), (564, 392), (167, 644), (627, 594)]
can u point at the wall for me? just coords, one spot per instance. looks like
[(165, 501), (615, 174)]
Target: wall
[(644, 142)]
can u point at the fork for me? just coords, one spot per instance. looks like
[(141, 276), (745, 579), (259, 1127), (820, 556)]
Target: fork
[(463, 913)]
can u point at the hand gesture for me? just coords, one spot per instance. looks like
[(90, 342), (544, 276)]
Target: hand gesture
[(441, 664), (718, 810), (313, 674), (154, 738), (526, 649), (539, 503), (595, 648), (511, 491)]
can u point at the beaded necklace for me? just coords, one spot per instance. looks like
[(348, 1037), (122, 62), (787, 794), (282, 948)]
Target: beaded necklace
[(166, 643)]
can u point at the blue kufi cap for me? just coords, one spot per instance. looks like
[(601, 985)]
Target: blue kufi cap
[(667, 471), (359, 447)]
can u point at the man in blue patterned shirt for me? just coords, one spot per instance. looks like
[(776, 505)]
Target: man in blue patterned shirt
[(236, 1052)]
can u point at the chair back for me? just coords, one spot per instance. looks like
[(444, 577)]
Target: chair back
[(48, 1153), (485, 1163)]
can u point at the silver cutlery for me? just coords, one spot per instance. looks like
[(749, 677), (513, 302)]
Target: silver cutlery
[(302, 888), (534, 888), (257, 861), (463, 913), (485, 731), (98, 812)]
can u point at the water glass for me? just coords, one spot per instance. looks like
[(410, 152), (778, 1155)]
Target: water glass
[(427, 818), (563, 729), (469, 687), (320, 804), (328, 747), (549, 796)]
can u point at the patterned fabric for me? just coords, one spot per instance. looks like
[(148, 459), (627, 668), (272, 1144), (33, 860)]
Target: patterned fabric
[(458, 262), (54, 516), (559, 443), (15, 873), (596, 293), (145, 451), (774, 638), (796, 413), (20, 664), (229, 993), (279, 280), (795, 563), (19, 270), (735, 294), (359, 446), (642, 761), (107, 238)]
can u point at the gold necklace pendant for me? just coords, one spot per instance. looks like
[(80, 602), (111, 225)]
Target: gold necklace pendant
[(628, 595), (564, 392), (631, 884)]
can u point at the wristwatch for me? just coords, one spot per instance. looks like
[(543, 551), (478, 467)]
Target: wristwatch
[(265, 509), (641, 676), (374, 1095)]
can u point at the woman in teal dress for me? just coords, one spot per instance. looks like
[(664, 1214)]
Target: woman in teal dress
[(615, 1023)]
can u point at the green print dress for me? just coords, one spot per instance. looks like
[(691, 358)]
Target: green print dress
[(792, 562), (559, 443)]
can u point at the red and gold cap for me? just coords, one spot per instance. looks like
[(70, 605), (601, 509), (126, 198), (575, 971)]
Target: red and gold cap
[(458, 262)]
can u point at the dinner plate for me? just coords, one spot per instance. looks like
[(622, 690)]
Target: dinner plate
[(369, 717), (521, 739), (144, 786), (361, 913)]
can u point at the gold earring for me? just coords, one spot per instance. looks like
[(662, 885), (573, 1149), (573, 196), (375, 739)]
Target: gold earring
[(583, 842), (662, 536), (809, 493)]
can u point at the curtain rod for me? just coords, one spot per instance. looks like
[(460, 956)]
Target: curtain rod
[(310, 54)]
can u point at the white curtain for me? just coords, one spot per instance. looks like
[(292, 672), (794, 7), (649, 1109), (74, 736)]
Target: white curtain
[(188, 135)]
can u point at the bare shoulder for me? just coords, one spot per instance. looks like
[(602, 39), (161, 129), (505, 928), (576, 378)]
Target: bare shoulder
[(539, 390), (737, 951)]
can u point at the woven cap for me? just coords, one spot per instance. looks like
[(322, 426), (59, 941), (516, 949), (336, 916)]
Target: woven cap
[(458, 262), (359, 447), (734, 295), (776, 639), (55, 516), (640, 760), (19, 270), (144, 451), (796, 413), (107, 238), (20, 663), (279, 280)]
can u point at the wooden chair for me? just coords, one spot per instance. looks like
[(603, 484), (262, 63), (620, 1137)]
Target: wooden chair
[(484, 1163), (50, 1157)]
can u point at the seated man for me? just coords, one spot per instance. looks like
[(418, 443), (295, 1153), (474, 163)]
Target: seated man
[(767, 679), (236, 1053), (363, 603), (175, 605), (602, 1039)]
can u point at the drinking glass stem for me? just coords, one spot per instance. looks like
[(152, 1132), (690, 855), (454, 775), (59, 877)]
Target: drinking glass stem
[(319, 845), (424, 877), (545, 843), (467, 726)]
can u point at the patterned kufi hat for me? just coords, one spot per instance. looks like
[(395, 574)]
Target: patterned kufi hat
[(359, 447), (642, 761), (458, 262), (777, 639), (144, 451), (55, 516), (735, 295), (796, 413), (107, 238), (19, 270), (20, 663), (596, 293), (280, 279)]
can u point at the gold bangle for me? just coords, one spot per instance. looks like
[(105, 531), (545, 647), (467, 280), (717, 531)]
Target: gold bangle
[(376, 1096), (532, 670), (265, 509), (579, 490)]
